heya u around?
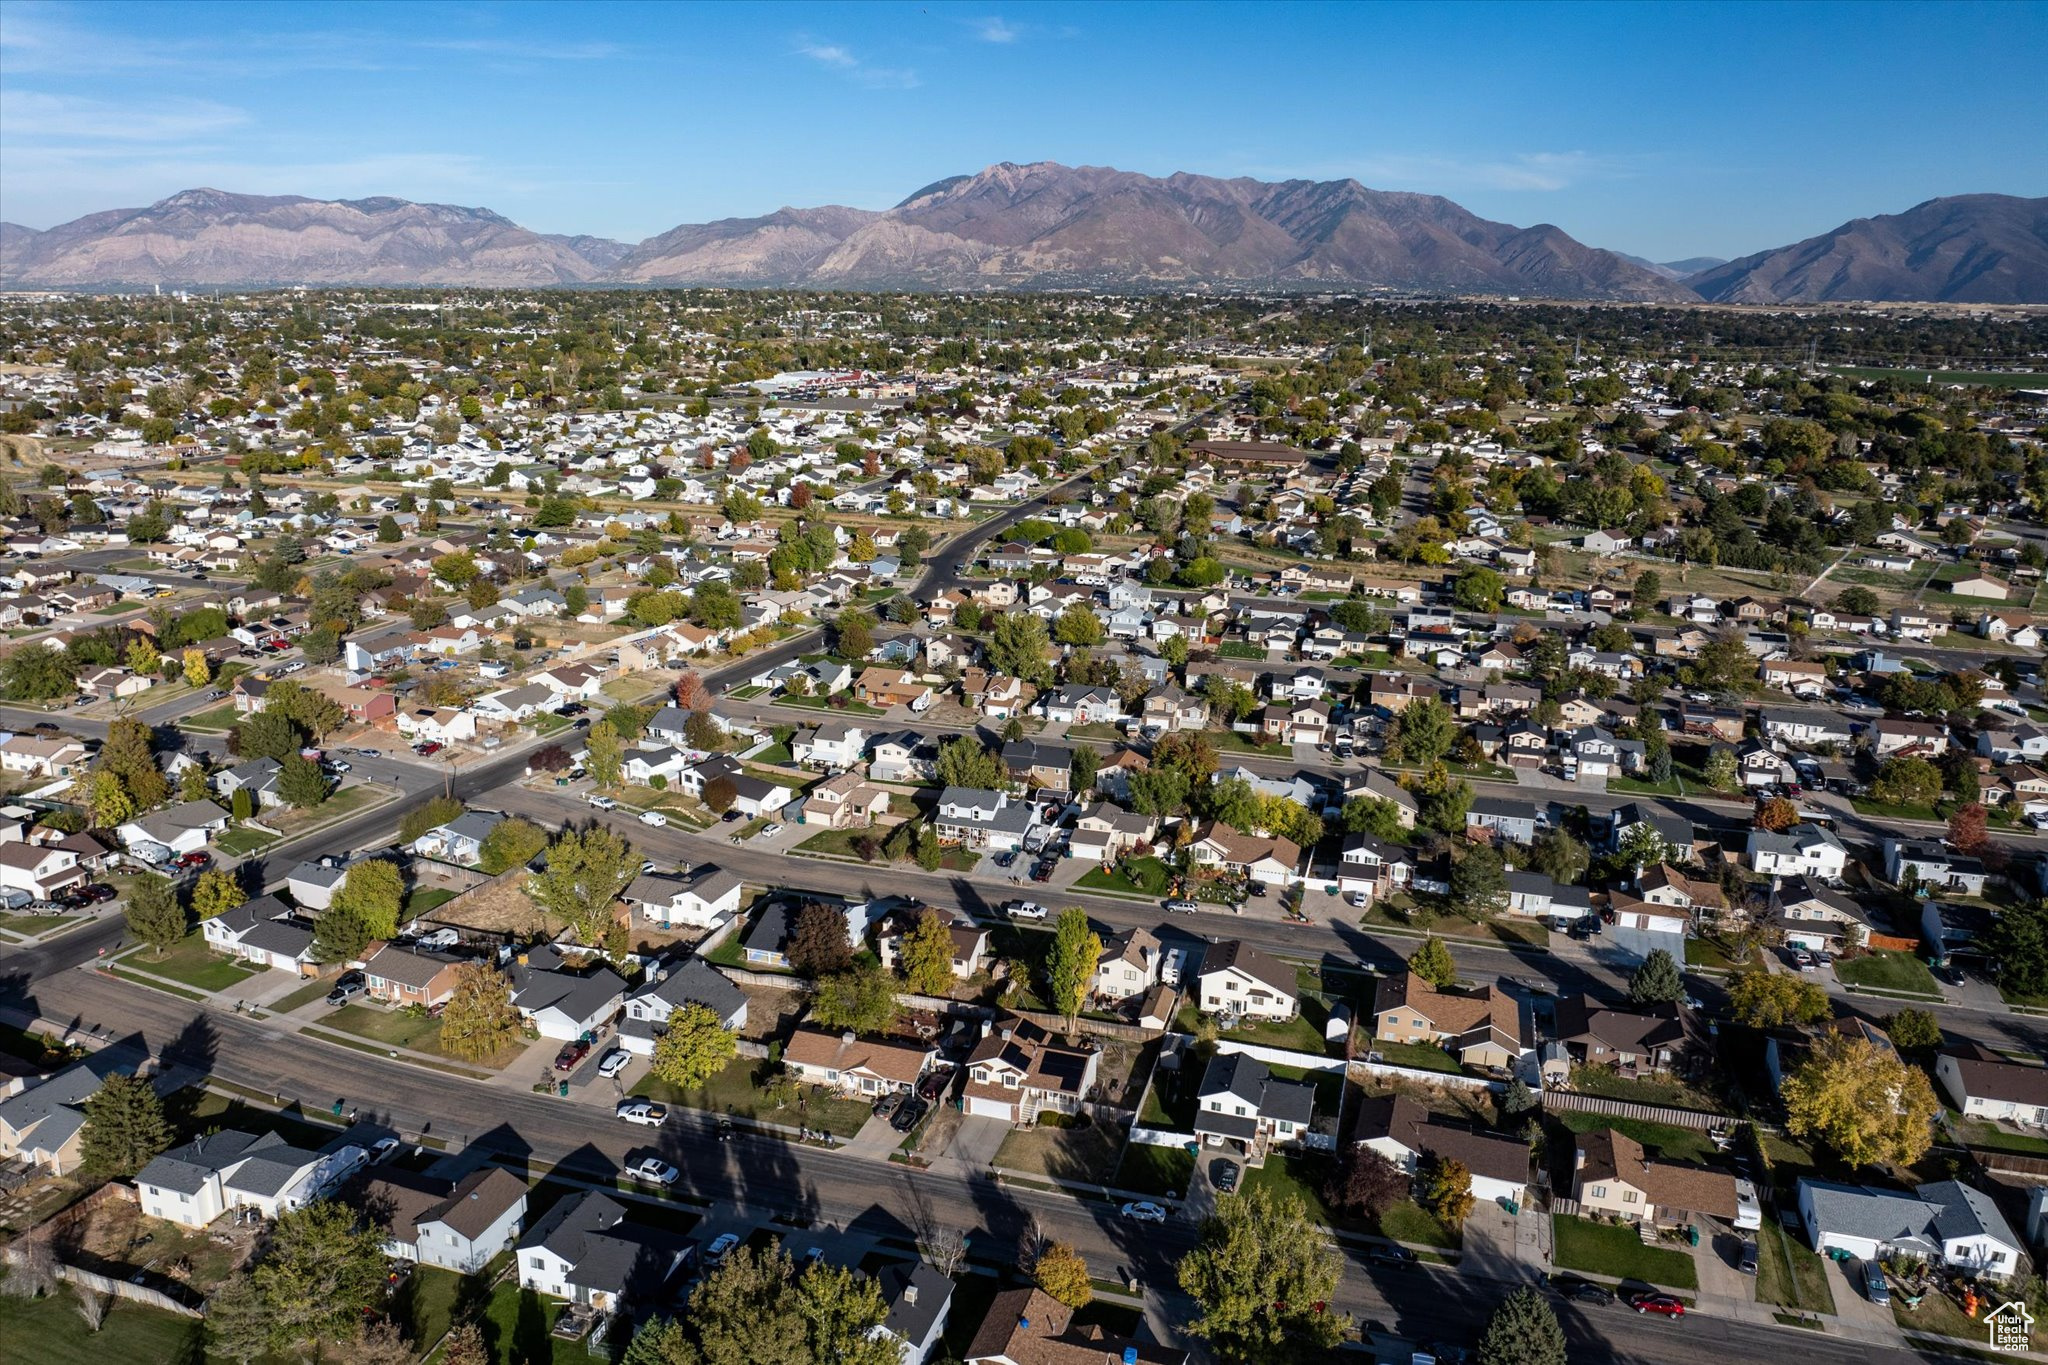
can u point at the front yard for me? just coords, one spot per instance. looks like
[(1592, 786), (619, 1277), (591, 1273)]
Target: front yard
[(734, 1091), (1888, 971), (1147, 877), (1156, 1170), (1087, 1153), (1616, 1251), (1404, 912), (194, 963), (391, 1027), (1791, 1275)]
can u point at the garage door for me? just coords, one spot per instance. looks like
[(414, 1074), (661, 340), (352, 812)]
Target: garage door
[(990, 1109)]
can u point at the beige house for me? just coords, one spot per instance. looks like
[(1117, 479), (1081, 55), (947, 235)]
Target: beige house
[(1612, 1176), (1485, 1028), (846, 1061), (1019, 1069), (845, 802)]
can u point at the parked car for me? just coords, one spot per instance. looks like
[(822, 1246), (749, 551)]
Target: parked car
[(199, 859), (934, 1084), (440, 939), (1666, 1304), (732, 817), (1391, 1254), (1747, 1262), (909, 1114), (571, 1055), (1024, 910), (1223, 1175), (343, 993), (654, 1171), (1874, 1285), (1580, 1290), (653, 817), (338, 765), (885, 1104), (1144, 1211), (1183, 907), (646, 1113), (614, 1062), (1041, 871), (382, 1148), (716, 1253), (602, 802), (1006, 858), (429, 749)]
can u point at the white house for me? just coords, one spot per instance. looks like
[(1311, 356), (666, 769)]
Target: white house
[(457, 1227), (1406, 1133), (1945, 1221), (707, 896), (564, 1004), (1800, 851), (1236, 978), (196, 1183), (587, 1250), (1986, 1086), (694, 982)]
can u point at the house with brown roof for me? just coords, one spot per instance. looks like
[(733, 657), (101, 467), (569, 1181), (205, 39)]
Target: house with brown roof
[(1262, 858), (1031, 1327), (1612, 1175), (1020, 1069), (1130, 964), (399, 975), (886, 687), (1486, 1027), (844, 802), (970, 941), (1632, 1041), (1986, 1086), (846, 1061), (1407, 1133), (456, 1225)]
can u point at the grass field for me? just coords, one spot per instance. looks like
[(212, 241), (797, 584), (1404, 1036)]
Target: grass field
[(130, 1333), (1888, 971), (220, 718), (1421, 1056), (393, 1028), (1155, 1170), (1286, 1174), (304, 995), (1408, 1221), (1146, 877), (733, 1090), (1990, 379), (193, 963), (240, 843), (1088, 1154), (1790, 1275), (1616, 1251), (1669, 1142), (420, 902)]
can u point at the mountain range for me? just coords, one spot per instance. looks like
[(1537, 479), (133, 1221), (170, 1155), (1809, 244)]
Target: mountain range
[(1035, 226)]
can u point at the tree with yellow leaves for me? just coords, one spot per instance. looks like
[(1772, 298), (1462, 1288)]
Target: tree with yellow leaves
[(1862, 1101), (142, 655), (198, 671)]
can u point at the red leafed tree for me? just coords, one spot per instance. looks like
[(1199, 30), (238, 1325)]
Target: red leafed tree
[(799, 495), (691, 693), (705, 459), (872, 465), (1967, 829), (739, 461), (1776, 814)]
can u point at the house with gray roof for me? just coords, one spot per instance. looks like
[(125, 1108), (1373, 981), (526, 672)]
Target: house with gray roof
[(194, 1184), (258, 776), (42, 1124), (461, 840), (562, 1003), (313, 884), (708, 896), (183, 828), (1241, 1106), (1945, 1221), (265, 932), (588, 1251), (919, 1299), (458, 1225), (693, 982)]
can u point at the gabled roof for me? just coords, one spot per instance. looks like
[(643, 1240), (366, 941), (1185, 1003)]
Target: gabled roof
[(1260, 966)]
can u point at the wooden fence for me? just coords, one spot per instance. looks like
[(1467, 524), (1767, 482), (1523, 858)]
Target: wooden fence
[(1571, 1101)]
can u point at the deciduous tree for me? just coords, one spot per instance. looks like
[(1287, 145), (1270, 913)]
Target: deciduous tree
[(861, 998), (818, 945), (1366, 1182), (586, 871), (1070, 963), (511, 843), (1862, 1101), (1776, 814), (1062, 1272), (1262, 1277), (216, 892), (373, 891), (480, 1020), (1766, 999), (1968, 829), (1479, 882), (1432, 962), (928, 955), (321, 1270), (607, 754), (1914, 1030), (1447, 1189), (695, 1048)]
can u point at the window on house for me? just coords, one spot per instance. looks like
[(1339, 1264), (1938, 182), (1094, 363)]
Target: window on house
[(536, 1263), (1240, 1111), (1629, 1196), (1598, 1192)]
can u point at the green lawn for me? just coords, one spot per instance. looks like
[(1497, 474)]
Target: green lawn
[(1984, 1134), (1616, 1251), (516, 1325), (30, 926), (1670, 786), (1790, 1275), (1421, 1056), (1648, 1089), (193, 963), (1885, 810), (733, 1090), (130, 1333), (1402, 912), (219, 719), (1147, 877), (240, 843), (1889, 971), (1671, 1143), (1155, 1170), (1408, 1221), (777, 753), (1287, 1174), (1710, 953), (851, 708), (391, 1027), (423, 901)]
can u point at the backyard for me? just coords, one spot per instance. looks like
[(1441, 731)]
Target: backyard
[(1617, 1252), (130, 1332), (1421, 1056), (734, 1091), (194, 963)]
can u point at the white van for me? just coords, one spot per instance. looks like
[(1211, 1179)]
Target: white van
[(653, 817)]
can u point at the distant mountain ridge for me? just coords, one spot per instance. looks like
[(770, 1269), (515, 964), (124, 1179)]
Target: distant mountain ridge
[(1034, 226), (1968, 248)]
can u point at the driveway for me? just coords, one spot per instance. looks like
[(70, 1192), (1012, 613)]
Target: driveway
[(1722, 1284), (1859, 1317), (975, 1144)]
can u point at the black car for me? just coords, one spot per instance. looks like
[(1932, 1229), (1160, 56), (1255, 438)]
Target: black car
[(909, 1115), (100, 892), (1223, 1175), (1005, 859), (934, 1084), (733, 816), (1041, 872), (1749, 1257), (1582, 1291), (1388, 1254), (1256, 888)]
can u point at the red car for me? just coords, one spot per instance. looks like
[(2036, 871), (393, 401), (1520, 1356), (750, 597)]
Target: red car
[(427, 750), (200, 859), (1669, 1306), (571, 1054)]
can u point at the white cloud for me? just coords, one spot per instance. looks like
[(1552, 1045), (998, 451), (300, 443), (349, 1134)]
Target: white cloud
[(1541, 172), (994, 30), (843, 60), (33, 117)]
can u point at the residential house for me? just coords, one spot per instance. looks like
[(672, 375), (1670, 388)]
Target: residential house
[(1132, 963), (1019, 1070), (455, 1225), (1933, 865), (1030, 1327), (984, 820), (41, 1126), (918, 1299), (195, 1183), (1803, 850), (586, 1249), (1106, 833), (834, 746), (970, 950), (461, 840), (845, 801), (1631, 1040), (1612, 1175), (1945, 1221), (1984, 1085), (1261, 858), (1484, 1028), (1504, 819), (560, 1001), (1242, 1106), (1813, 915), (398, 974), (1406, 1133), (668, 989), (1039, 763), (1241, 981), (163, 834), (264, 932), (848, 1062)]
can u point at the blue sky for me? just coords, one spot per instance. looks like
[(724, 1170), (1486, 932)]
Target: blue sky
[(1662, 130)]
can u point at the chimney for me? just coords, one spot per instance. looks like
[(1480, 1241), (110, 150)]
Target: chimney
[(846, 1038), (910, 1295)]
